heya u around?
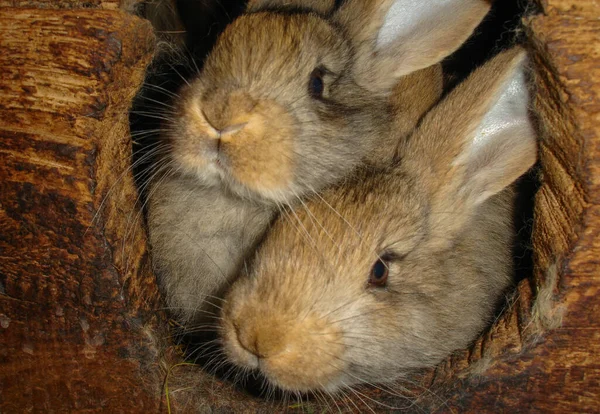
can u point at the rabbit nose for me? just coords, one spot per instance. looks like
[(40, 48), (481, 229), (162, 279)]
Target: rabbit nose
[(295, 355), (212, 131), (261, 341), (228, 112), (223, 133)]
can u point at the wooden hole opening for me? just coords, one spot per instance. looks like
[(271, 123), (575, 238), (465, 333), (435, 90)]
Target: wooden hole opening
[(81, 323)]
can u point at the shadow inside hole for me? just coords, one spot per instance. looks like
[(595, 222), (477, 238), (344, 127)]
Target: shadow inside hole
[(526, 189), (500, 30)]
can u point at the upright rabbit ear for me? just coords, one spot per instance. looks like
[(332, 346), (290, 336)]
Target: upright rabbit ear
[(397, 37), (479, 140)]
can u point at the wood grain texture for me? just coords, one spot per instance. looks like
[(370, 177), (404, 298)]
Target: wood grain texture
[(75, 290), (67, 4)]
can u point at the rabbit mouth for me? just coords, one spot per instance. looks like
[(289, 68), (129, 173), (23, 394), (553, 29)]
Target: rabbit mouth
[(219, 164), (244, 142)]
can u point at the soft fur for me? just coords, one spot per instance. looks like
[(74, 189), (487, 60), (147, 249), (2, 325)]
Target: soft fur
[(246, 134), (320, 6), (305, 315)]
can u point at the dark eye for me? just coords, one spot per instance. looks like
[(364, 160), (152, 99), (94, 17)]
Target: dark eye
[(379, 273), (315, 84)]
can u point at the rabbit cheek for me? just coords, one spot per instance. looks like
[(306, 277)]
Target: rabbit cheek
[(260, 155)]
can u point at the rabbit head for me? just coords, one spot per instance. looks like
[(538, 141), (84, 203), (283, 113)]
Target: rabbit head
[(291, 100), (392, 272)]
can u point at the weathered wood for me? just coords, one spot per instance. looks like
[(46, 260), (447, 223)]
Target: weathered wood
[(67, 4), (75, 290)]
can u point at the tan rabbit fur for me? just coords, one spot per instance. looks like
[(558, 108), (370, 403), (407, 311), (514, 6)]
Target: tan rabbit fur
[(393, 271), (319, 6), (249, 121), (285, 106), (289, 144)]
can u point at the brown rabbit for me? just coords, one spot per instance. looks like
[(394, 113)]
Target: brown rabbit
[(394, 271), (288, 102)]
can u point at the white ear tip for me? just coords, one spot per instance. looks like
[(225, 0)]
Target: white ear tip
[(404, 15), (511, 107), (397, 20)]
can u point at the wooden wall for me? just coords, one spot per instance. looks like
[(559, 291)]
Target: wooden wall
[(75, 290)]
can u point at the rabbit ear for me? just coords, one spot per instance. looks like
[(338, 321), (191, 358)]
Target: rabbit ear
[(397, 37), (480, 139), (504, 146)]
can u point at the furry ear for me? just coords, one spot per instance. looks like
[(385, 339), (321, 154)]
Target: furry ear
[(479, 140), (503, 147), (397, 37)]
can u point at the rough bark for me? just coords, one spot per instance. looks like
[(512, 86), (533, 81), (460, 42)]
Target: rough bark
[(75, 290), (65, 4)]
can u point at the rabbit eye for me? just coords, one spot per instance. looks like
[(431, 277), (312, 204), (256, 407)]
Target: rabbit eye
[(379, 273), (315, 84)]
